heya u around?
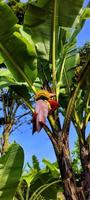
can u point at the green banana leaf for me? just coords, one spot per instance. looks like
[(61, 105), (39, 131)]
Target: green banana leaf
[(68, 72), (68, 56), (11, 165), (6, 78), (52, 167), (36, 19), (19, 88), (39, 19), (79, 22), (17, 50), (68, 11)]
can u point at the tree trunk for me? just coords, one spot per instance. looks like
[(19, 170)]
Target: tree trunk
[(67, 175), (63, 158), (71, 191), (85, 160), (6, 133), (60, 143)]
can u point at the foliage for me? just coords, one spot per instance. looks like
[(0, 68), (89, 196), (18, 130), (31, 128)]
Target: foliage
[(17, 39), (40, 182), (35, 163), (76, 163), (10, 171)]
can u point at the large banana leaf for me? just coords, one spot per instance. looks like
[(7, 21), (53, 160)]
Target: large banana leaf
[(37, 19), (40, 16), (68, 11), (18, 51), (11, 165)]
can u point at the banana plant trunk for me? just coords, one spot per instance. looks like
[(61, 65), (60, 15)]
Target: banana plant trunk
[(85, 161), (67, 175), (60, 143), (6, 134), (71, 191)]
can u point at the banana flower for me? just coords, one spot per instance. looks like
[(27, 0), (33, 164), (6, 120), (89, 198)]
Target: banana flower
[(45, 105)]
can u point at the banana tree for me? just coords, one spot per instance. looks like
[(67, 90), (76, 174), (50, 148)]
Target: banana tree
[(42, 52), (10, 103)]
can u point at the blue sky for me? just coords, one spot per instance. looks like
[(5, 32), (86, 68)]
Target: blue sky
[(39, 144), (84, 35)]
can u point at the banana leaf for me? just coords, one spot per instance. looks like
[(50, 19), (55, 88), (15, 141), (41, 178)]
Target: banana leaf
[(18, 52), (6, 78), (11, 165), (68, 11), (39, 19), (36, 19)]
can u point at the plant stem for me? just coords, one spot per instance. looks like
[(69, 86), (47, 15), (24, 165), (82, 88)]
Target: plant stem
[(6, 133), (61, 74), (27, 193), (54, 45)]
